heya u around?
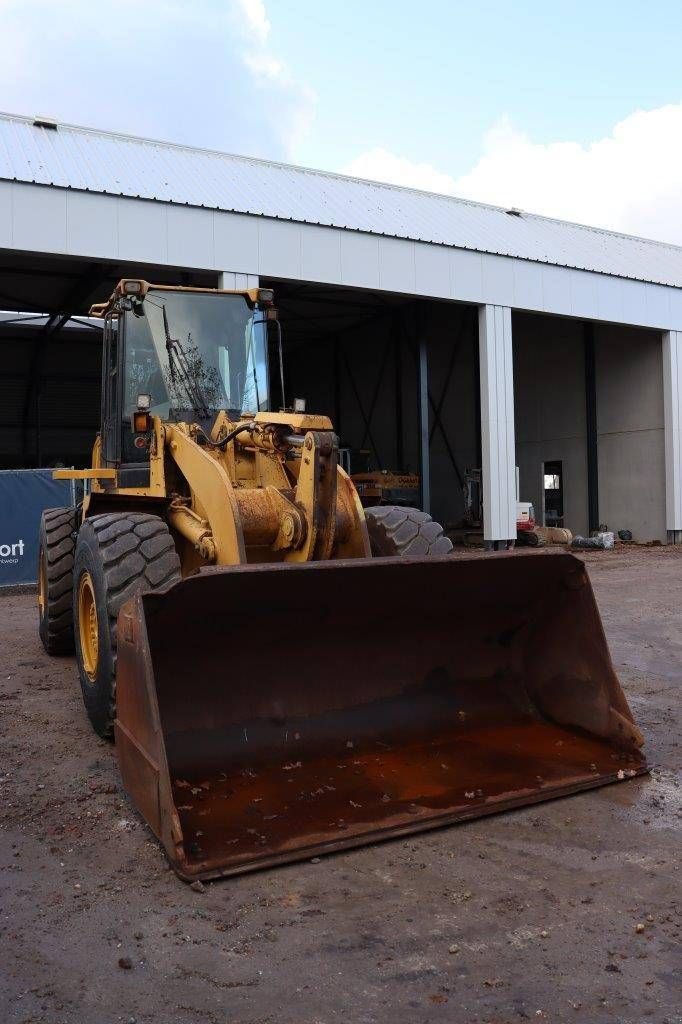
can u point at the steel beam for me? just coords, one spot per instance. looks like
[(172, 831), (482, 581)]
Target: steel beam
[(498, 445), (423, 392), (672, 410), (592, 439), (398, 396)]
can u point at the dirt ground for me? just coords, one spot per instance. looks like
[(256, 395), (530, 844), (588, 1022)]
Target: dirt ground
[(530, 915)]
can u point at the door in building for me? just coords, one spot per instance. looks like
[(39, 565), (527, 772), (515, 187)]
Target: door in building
[(553, 493)]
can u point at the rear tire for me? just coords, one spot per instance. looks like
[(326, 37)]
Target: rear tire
[(56, 543), (394, 530), (117, 555)]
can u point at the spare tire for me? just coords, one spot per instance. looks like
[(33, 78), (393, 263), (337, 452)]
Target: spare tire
[(395, 530)]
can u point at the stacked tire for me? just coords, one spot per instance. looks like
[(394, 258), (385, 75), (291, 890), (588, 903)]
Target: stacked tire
[(394, 530)]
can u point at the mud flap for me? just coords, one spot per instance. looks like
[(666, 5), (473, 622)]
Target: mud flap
[(269, 713)]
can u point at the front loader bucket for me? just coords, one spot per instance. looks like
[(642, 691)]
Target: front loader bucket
[(271, 712)]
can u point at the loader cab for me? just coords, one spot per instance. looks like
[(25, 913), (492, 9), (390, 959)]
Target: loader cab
[(193, 352)]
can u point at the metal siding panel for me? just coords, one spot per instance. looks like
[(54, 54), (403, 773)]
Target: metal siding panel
[(94, 161), (280, 249), (232, 280), (466, 271), (6, 208), (320, 255), (675, 309), (190, 237), (396, 265), (657, 299), (39, 219), (633, 302), (142, 233), (235, 241), (610, 300), (432, 270), (360, 260), (527, 285), (583, 288), (498, 280), (91, 224), (556, 291)]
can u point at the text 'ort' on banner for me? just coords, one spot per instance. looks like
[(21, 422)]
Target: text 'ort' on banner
[(24, 493)]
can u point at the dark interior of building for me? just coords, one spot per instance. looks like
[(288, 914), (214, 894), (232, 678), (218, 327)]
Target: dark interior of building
[(352, 355), (389, 370)]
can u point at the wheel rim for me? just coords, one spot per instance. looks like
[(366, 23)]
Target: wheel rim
[(42, 582), (88, 626)]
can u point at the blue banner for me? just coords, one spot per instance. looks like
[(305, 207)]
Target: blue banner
[(24, 493)]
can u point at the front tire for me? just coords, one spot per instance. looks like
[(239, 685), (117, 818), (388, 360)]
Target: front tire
[(117, 555), (395, 530), (56, 543)]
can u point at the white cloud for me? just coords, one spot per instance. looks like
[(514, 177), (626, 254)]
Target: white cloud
[(296, 100), (256, 18), (264, 65), (629, 181), (203, 73), (380, 164)]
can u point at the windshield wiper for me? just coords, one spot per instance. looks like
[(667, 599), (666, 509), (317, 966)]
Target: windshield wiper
[(177, 364)]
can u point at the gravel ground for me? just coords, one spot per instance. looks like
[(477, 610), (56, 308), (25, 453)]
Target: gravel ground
[(567, 911)]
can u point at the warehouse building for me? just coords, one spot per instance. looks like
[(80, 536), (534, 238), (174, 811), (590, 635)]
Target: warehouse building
[(441, 336)]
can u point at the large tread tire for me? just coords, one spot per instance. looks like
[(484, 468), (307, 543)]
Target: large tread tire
[(395, 530), (125, 554), (56, 544)]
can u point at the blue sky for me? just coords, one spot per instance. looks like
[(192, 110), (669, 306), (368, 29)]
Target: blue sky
[(428, 80), (569, 110)]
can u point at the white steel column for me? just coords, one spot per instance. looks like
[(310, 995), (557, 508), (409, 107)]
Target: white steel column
[(424, 444), (672, 407), (233, 281), (498, 445)]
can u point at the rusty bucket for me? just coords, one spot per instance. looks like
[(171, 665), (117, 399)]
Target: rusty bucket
[(269, 713)]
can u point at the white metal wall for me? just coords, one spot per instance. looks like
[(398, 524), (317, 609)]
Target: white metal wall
[(231, 281), (36, 218), (672, 407), (498, 448)]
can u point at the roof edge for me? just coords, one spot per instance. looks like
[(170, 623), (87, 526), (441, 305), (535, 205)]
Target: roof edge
[(265, 162)]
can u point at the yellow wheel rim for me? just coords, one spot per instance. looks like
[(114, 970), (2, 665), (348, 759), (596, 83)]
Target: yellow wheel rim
[(42, 582), (88, 629)]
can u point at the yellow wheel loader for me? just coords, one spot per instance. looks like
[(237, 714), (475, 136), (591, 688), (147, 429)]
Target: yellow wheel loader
[(275, 689)]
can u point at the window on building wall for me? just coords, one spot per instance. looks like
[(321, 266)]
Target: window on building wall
[(553, 493)]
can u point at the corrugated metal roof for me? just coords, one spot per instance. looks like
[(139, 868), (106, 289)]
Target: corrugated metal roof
[(96, 161)]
